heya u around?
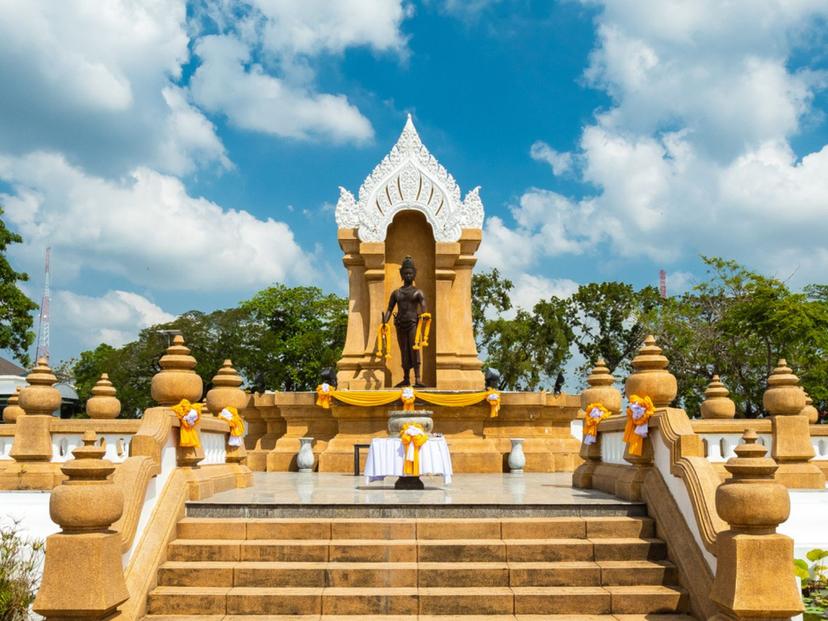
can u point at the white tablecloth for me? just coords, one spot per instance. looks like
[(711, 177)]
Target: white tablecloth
[(385, 459)]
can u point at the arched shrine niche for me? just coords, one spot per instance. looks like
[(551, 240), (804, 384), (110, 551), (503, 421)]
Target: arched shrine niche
[(411, 234), (410, 205)]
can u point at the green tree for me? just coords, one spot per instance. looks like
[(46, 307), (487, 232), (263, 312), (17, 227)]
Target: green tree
[(606, 321), (15, 308), (490, 292)]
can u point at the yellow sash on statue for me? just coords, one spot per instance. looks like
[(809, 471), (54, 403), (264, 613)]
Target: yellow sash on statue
[(231, 415), (413, 436)]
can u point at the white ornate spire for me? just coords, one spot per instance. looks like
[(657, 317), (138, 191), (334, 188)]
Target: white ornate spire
[(409, 177)]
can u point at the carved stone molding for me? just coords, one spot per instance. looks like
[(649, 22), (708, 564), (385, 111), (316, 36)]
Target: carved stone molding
[(409, 177)]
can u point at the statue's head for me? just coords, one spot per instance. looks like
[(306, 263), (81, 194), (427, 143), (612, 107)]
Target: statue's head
[(407, 270)]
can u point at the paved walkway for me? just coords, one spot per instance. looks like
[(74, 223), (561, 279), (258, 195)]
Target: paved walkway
[(282, 493)]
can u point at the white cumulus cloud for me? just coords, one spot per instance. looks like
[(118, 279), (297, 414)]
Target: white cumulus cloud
[(145, 228), (114, 318)]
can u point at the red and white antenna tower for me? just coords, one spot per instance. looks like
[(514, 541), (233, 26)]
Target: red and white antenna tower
[(662, 283), (43, 324)]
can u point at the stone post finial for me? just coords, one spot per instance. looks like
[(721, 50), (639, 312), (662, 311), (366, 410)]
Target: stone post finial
[(86, 551), (103, 403), (717, 403), (650, 376), (809, 411), (177, 379), (13, 411), (784, 396), (226, 389), (754, 576), (601, 389), (40, 397)]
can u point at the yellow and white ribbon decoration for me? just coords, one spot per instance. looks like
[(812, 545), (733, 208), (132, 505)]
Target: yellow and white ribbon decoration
[(413, 436), (595, 413), (384, 341), (407, 397), (423, 330), (639, 412), (189, 414), (231, 415), (493, 397), (323, 395)]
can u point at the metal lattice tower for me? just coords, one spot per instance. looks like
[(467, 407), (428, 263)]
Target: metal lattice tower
[(43, 324), (662, 283)]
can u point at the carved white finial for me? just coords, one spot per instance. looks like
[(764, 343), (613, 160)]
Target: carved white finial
[(409, 177)]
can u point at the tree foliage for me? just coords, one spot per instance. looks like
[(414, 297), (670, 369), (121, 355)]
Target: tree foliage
[(15, 308)]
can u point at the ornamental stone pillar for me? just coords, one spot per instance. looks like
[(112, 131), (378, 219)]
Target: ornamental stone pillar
[(601, 390), (12, 412), (227, 392), (650, 378), (178, 380), (754, 572), (784, 400), (83, 576)]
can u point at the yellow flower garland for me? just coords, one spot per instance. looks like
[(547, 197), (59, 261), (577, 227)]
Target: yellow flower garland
[(493, 397), (637, 428), (591, 422), (411, 448), (323, 395), (188, 433), (376, 398), (423, 330), (384, 341), (407, 397)]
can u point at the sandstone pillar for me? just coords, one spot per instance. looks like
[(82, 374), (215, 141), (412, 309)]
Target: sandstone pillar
[(83, 577), (268, 410), (358, 307), (445, 330), (13, 411), (784, 400), (32, 446), (372, 369), (754, 573), (601, 390), (178, 380), (227, 392), (649, 378)]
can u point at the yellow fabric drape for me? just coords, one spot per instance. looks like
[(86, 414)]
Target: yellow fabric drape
[(423, 330), (231, 415), (637, 428), (188, 433), (591, 422), (375, 398), (407, 397), (411, 465), (384, 341)]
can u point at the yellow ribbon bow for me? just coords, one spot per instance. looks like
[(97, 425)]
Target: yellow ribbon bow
[(423, 330), (189, 414), (323, 395), (413, 436), (407, 397), (639, 412), (493, 397), (231, 415), (595, 413)]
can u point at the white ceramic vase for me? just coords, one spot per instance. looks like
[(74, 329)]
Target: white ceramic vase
[(305, 458), (517, 460)]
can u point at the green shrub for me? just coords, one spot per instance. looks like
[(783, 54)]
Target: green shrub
[(814, 578), (20, 563)]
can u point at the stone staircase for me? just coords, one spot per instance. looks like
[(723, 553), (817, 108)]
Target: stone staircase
[(563, 568)]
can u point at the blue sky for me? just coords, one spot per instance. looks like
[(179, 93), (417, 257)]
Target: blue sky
[(184, 155)]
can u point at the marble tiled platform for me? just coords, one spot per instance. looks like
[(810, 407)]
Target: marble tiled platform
[(288, 494)]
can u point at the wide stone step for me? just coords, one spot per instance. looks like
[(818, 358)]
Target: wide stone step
[(577, 617), (638, 600), (438, 528)]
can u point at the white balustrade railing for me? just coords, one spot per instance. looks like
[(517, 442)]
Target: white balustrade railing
[(5, 447), (718, 447), (215, 448), (116, 445), (820, 444), (612, 447)]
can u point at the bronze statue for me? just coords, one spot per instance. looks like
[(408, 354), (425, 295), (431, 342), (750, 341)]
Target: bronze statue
[(410, 303)]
